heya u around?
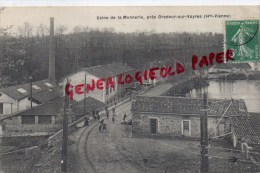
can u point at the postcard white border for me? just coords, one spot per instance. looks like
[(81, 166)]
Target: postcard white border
[(125, 3)]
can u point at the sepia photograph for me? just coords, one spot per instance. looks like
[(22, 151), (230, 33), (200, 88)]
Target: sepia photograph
[(130, 89)]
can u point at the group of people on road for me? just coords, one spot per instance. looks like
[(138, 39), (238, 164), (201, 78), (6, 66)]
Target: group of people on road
[(113, 113), (102, 126), (96, 116)]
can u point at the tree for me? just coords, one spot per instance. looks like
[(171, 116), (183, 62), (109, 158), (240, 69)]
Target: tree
[(25, 31), (60, 30), (42, 30)]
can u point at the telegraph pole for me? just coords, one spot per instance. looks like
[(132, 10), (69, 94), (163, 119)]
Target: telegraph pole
[(65, 133), (85, 93), (31, 89), (204, 137)]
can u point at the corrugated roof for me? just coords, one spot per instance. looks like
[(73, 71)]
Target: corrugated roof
[(183, 106), (52, 107), (108, 70), (49, 94), (15, 94), (55, 106)]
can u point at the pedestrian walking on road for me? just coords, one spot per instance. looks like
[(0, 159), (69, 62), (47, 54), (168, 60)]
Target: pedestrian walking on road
[(100, 128), (86, 122), (113, 109), (114, 114), (102, 121), (124, 117), (97, 112), (107, 112), (113, 119), (93, 113), (104, 127)]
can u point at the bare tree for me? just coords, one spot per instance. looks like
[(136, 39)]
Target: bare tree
[(42, 30), (78, 29), (60, 30), (26, 30), (85, 28)]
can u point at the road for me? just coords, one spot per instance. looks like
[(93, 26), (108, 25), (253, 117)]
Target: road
[(97, 151)]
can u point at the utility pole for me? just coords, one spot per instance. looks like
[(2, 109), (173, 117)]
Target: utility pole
[(65, 133), (85, 93), (204, 137), (31, 89)]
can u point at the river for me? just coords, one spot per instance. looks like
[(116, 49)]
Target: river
[(249, 90)]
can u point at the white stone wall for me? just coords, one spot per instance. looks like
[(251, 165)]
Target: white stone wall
[(170, 125), (8, 102), (25, 104), (11, 105), (79, 78)]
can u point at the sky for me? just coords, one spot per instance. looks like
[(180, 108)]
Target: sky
[(87, 16)]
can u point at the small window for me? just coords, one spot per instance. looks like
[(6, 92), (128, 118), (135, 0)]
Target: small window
[(1, 108), (186, 131), (21, 90), (48, 84), (153, 125), (45, 119), (36, 87), (28, 119)]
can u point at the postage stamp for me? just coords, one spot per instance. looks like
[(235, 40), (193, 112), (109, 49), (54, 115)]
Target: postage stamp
[(242, 36)]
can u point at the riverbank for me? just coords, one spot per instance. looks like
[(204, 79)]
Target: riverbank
[(238, 76)]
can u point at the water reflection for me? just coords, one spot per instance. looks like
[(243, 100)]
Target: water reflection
[(244, 89)]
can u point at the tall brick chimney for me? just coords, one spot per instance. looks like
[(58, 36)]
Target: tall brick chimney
[(51, 53)]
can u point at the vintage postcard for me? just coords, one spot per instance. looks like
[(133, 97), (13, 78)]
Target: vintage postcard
[(129, 89)]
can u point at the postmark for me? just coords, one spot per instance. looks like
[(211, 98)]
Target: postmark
[(242, 37)]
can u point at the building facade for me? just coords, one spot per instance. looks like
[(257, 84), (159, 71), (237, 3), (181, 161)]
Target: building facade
[(157, 64), (17, 98), (107, 94), (231, 68), (46, 117), (179, 116)]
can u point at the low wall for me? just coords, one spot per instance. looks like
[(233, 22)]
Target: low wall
[(24, 141), (54, 139), (23, 129)]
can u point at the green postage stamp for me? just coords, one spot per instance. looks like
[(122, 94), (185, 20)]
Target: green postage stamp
[(242, 37)]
